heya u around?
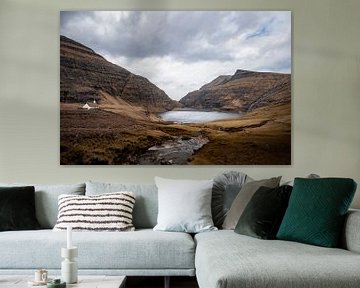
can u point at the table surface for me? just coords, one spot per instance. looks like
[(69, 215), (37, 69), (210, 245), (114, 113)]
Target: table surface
[(84, 281)]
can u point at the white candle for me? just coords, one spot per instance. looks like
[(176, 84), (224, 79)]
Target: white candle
[(69, 239)]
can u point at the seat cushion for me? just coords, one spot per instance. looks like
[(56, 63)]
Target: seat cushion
[(144, 249), (225, 259)]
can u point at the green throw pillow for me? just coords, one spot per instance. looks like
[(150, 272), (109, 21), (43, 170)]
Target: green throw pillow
[(316, 211)]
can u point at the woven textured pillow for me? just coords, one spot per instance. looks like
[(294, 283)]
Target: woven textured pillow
[(316, 211), (105, 212)]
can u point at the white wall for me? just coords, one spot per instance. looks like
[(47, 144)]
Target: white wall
[(326, 91)]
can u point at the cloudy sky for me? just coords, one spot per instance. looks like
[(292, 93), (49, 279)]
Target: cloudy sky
[(180, 51)]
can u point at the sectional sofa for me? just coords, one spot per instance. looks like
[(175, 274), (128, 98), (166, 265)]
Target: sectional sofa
[(218, 259)]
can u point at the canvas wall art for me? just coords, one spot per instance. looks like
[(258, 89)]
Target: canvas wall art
[(175, 87)]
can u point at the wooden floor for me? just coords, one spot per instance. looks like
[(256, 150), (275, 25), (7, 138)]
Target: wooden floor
[(158, 282)]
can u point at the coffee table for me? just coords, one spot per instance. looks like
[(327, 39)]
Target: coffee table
[(84, 281)]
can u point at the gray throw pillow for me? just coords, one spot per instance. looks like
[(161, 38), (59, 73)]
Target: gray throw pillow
[(184, 205), (242, 199), (226, 187), (310, 176)]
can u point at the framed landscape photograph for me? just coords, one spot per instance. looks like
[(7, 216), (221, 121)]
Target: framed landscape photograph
[(175, 87)]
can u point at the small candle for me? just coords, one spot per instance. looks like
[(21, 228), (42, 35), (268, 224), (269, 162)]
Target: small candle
[(69, 239)]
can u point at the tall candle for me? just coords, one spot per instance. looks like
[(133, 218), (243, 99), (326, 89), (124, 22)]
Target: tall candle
[(69, 237)]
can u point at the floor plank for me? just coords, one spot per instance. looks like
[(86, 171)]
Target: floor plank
[(158, 282)]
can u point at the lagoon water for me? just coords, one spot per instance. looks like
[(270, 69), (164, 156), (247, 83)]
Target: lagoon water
[(193, 116)]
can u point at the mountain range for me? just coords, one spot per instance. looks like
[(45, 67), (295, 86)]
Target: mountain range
[(244, 91), (87, 76)]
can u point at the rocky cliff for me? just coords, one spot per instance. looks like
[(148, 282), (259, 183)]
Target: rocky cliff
[(244, 91), (87, 76)]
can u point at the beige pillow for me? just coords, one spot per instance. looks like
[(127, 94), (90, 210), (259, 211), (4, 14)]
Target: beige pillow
[(243, 198)]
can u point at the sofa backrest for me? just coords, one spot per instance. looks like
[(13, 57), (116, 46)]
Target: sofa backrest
[(46, 200), (146, 203), (351, 236)]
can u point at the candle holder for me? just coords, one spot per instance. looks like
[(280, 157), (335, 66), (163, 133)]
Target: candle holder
[(69, 271)]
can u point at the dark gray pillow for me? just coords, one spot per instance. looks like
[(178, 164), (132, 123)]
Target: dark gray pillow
[(226, 187), (243, 198), (46, 200), (17, 209), (263, 214)]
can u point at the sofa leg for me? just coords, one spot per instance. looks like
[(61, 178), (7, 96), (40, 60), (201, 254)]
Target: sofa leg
[(167, 282)]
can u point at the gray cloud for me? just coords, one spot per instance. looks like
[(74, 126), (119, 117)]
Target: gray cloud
[(258, 40)]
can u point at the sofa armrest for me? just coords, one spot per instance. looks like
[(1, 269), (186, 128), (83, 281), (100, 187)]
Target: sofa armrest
[(351, 234)]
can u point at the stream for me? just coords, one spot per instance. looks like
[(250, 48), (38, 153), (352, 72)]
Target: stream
[(173, 152)]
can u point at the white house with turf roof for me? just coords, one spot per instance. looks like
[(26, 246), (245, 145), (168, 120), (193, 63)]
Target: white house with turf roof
[(91, 105)]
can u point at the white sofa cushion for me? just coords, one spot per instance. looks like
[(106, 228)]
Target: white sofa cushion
[(184, 205)]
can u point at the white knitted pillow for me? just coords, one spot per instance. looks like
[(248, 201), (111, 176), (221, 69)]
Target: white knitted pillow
[(105, 212)]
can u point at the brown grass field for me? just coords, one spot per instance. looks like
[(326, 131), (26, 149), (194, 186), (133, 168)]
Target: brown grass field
[(109, 136)]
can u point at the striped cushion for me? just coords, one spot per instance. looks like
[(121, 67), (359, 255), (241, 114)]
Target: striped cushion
[(105, 212)]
